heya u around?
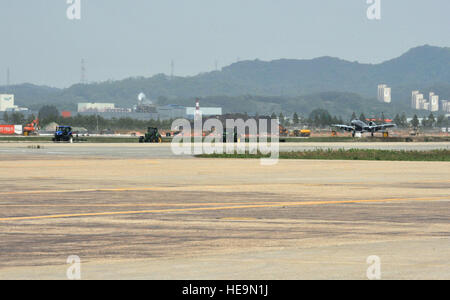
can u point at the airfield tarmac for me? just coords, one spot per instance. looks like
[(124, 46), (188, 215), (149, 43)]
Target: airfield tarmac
[(133, 211), (115, 150)]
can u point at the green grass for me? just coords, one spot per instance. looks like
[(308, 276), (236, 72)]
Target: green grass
[(352, 154)]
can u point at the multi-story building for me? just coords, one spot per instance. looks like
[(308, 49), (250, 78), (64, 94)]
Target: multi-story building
[(434, 102), (445, 106), (384, 93), (417, 100)]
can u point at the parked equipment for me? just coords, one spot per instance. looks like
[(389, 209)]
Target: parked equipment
[(32, 128), (283, 130), (225, 136), (302, 133), (152, 136), (63, 134)]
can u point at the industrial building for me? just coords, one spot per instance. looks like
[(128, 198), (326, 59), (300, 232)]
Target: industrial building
[(7, 102), (204, 111), (95, 107), (139, 112), (144, 110)]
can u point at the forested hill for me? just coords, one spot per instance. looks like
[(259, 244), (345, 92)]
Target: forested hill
[(425, 68)]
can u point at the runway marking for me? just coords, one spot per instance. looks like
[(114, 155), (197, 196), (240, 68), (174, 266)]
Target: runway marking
[(200, 187), (281, 204)]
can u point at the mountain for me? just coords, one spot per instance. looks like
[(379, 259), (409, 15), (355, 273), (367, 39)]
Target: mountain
[(424, 68)]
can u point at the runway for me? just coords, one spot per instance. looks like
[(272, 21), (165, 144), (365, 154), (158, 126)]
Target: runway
[(117, 150), (134, 211)]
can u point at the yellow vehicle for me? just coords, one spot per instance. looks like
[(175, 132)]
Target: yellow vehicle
[(302, 133)]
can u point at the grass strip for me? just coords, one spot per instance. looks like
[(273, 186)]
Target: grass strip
[(350, 154)]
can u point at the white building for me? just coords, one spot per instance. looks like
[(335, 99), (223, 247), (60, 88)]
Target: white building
[(445, 106), (434, 102), (417, 100), (384, 93), (7, 102), (205, 111), (95, 107)]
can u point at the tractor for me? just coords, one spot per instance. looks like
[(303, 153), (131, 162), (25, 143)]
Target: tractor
[(152, 136), (63, 134), (225, 138)]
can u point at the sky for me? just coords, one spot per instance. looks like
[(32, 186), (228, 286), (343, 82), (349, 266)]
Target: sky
[(120, 39)]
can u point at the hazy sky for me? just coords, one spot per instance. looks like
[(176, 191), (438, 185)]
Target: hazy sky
[(120, 38)]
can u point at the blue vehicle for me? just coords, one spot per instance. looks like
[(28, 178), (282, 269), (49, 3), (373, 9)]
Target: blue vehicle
[(63, 134)]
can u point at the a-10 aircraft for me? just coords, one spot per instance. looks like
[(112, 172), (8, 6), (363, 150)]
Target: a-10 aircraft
[(361, 127)]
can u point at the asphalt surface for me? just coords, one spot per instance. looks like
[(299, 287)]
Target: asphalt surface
[(138, 212), (164, 150)]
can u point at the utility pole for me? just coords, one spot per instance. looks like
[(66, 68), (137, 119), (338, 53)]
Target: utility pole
[(7, 80), (83, 72)]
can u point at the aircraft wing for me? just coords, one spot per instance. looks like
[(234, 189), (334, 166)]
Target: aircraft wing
[(384, 126), (343, 127)]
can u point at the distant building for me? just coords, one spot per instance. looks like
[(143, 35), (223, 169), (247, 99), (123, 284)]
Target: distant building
[(445, 106), (7, 105), (171, 111), (417, 100), (95, 107), (434, 102), (205, 111), (384, 93), (7, 102)]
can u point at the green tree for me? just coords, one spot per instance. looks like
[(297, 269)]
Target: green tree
[(397, 120), (429, 122), (441, 121), (320, 118), (403, 121), (295, 119), (362, 117), (415, 121), (17, 118), (6, 117), (48, 114), (281, 119)]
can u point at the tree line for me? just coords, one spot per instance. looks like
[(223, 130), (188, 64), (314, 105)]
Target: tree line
[(318, 118)]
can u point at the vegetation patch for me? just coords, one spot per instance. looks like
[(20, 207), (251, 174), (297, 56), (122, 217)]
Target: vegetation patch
[(351, 154)]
